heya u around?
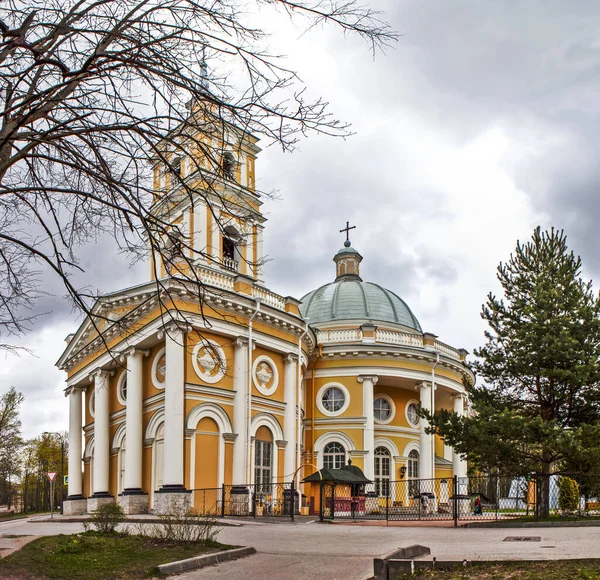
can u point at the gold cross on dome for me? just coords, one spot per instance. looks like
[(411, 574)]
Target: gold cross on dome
[(347, 230)]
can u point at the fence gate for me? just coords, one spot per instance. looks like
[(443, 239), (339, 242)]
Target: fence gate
[(327, 501)]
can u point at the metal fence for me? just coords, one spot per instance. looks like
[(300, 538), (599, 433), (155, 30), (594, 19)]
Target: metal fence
[(273, 499), (472, 498)]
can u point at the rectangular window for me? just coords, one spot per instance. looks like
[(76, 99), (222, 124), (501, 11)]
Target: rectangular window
[(263, 451)]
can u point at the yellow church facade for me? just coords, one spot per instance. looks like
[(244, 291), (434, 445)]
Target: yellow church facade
[(170, 398)]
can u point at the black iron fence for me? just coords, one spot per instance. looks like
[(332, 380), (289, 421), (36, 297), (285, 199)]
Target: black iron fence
[(456, 499), (273, 499)]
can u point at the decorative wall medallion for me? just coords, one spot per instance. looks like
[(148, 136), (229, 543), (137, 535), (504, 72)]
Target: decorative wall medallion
[(159, 365), (209, 361), (265, 375)]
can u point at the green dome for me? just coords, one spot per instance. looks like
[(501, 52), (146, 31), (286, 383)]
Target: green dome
[(356, 300)]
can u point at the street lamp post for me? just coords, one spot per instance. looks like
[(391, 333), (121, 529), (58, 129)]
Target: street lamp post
[(62, 466)]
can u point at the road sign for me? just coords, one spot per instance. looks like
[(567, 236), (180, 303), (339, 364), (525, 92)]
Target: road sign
[(51, 475), (66, 480)]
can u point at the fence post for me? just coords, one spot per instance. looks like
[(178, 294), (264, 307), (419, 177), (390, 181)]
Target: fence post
[(455, 499), (321, 501), (223, 500), (292, 500), (387, 502)]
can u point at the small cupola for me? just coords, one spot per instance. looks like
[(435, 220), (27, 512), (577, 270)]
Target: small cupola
[(347, 260)]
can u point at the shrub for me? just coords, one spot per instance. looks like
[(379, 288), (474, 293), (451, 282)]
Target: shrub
[(568, 494), (183, 525), (107, 517)]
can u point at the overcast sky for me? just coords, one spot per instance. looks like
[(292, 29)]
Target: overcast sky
[(480, 124)]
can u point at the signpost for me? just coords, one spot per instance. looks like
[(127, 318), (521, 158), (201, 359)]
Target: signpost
[(51, 476)]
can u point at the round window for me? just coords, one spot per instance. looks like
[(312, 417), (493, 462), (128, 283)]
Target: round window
[(382, 409), (412, 414), (333, 399)]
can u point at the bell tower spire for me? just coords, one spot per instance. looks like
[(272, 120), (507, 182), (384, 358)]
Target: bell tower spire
[(347, 259)]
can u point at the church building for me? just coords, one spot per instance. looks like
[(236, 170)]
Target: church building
[(171, 398)]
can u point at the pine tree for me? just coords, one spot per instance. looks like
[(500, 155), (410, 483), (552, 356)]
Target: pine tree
[(539, 365)]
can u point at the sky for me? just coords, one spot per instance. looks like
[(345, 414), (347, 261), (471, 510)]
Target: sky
[(479, 124)]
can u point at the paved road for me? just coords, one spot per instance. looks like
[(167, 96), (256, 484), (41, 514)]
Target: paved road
[(289, 551), (328, 552)]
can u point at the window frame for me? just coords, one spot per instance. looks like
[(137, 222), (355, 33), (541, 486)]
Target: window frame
[(322, 407)]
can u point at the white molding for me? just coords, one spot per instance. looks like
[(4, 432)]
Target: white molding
[(267, 420), (120, 381), (154, 423), (331, 437), (410, 446), (388, 444), (218, 359), (158, 384), (118, 437), (406, 406), (268, 403), (261, 388), (214, 391), (319, 400), (392, 408)]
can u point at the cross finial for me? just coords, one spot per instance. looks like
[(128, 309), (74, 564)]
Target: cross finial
[(347, 230)]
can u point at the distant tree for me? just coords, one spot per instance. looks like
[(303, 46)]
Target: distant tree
[(96, 95), (539, 365), (568, 494), (10, 443)]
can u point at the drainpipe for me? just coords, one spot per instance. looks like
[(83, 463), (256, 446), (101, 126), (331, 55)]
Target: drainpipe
[(435, 364), (312, 415), (249, 392), (298, 404)]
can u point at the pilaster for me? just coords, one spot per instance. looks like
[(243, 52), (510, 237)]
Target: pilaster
[(368, 383)]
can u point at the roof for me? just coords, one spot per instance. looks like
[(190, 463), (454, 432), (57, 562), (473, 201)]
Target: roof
[(356, 300), (347, 474)]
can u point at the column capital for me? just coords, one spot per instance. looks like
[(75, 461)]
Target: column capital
[(131, 351), (458, 396), (423, 385), (100, 374), (240, 341), (290, 358), (173, 328), (73, 389), (363, 378)]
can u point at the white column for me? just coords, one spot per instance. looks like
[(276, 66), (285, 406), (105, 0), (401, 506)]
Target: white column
[(459, 465), (100, 485), (425, 458), (173, 475), (289, 417), (75, 448), (368, 383), (240, 382), (133, 422)]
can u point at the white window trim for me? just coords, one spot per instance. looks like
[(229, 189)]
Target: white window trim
[(158, 384), (408, 421), (269, 390), (92, 403), (320, 394), (122, 379), (392, 408)]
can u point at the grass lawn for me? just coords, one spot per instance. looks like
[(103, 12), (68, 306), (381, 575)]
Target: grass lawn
[(91, 555), (551, 570)]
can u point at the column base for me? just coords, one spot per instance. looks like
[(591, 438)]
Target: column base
[(172, 499), (98, 499), (75, 506), (133, 503)]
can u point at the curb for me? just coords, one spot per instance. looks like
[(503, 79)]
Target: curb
[(595, 523), (206, 560), (80, 520)]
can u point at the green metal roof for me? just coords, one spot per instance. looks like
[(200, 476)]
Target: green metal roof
[(347, 474), (356, 300)]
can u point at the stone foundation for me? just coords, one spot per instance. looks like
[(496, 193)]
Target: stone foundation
[(134, 503), (93, 503), (169, 502), (75, 507)]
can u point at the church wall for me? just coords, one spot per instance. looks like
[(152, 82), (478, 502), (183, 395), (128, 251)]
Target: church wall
[(87, 480), (400, 398), (228, 475), (282, 476)]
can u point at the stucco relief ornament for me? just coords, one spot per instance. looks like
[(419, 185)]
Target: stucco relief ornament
[(208, 360), (265, 375)]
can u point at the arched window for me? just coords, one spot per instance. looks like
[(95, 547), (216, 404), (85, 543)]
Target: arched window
[(382, 471), (413, 471), (229, 164), (231, 240), (263, 459), (334, 455)]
